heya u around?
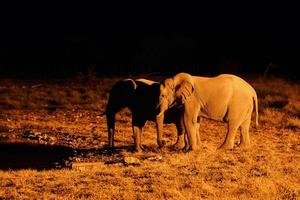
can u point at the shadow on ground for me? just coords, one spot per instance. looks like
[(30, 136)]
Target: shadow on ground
[(33, 156), (25, 155)]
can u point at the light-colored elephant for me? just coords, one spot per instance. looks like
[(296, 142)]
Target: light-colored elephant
[(225, 98), (141, 96)]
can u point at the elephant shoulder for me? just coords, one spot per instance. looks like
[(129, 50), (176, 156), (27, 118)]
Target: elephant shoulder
[(227, 76), (223, 79), (123, 86), (231, 76), (236, 80), (146, 86)]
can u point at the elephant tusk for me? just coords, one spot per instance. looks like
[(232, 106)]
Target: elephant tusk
[(158, 105), (160, 114), (173, 104)]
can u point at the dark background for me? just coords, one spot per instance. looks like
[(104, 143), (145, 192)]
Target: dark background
[(117, 46)]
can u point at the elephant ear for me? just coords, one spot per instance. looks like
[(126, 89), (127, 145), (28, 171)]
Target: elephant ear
[(184, 91)]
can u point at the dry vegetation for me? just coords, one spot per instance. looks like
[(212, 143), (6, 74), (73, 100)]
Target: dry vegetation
[(67, 113)]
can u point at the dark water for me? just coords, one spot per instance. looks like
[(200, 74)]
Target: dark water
[(22, 155)]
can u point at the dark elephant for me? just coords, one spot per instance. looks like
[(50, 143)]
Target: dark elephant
[(141, 96)]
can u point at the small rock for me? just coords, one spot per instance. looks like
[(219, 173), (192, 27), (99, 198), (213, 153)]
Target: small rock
[(95, 142), (155, 158), (259, 172), (30, 136), (131, 161), (87, 166)]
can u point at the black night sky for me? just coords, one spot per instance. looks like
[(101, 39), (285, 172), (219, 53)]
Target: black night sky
[(67, 48)]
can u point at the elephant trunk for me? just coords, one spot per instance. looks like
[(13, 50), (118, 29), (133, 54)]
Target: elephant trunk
[(163, 106)]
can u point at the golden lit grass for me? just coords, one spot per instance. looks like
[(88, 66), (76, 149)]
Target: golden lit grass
[(293, 122), (270, 169), (267, 171)]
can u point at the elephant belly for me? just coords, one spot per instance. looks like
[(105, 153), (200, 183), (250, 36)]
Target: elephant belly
[(171, 115), (214, 113), (216, 105)]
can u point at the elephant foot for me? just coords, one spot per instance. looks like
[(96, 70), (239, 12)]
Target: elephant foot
[(112, 149), (161, 144), (186, 149), (177, 147), (244, 145), (109, 147), (226, 146), (138, 149)]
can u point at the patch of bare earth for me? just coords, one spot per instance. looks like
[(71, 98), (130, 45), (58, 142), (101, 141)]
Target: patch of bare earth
[(67, 113)]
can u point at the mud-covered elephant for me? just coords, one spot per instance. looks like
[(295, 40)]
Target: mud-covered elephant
[(141, 96), (225, 98)]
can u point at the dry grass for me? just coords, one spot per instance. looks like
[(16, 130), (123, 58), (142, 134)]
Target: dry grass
[(69, 112), (293, 122)]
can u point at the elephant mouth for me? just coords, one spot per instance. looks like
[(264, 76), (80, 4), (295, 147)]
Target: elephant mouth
[(172, 105)]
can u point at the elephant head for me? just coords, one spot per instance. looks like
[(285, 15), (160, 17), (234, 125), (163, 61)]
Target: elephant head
[(120, 96), (175, 91)]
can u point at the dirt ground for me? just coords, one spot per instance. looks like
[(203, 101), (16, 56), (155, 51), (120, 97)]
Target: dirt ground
[(46, 127)]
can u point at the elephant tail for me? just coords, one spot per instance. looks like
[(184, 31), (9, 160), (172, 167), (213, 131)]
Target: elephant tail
[(256, 108)]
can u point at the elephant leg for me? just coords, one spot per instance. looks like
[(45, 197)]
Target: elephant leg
[(198, 134), (111, 129), (137, 134), (197, 126), (180, 135), (186, 143), (190, 127), (159, 130), (197, 139), (137, 126), (229, 140), (191, 136), (180, 141), (245, 139), (237, 113), (111, 133)]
